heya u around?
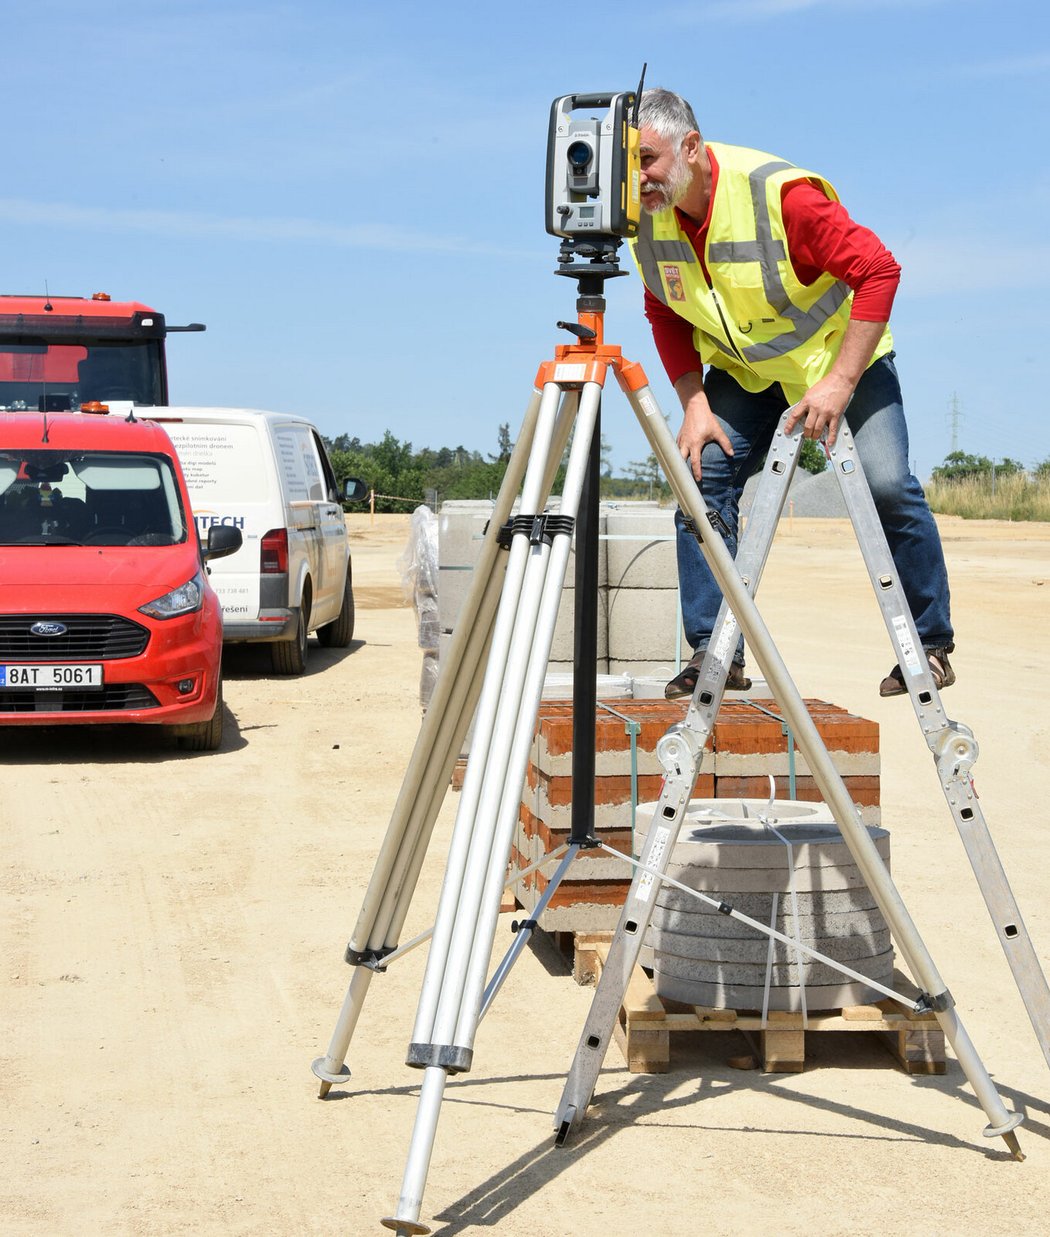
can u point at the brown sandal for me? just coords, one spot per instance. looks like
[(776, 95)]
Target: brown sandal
[(684, 683), (940, 669)]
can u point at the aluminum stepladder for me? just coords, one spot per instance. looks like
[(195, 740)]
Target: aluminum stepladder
[(952, 745), (497, 662)]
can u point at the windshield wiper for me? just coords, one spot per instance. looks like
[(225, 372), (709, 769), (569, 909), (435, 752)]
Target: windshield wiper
[(56, 540)]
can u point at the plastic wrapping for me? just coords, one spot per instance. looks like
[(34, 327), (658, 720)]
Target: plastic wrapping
[(428, 676), (418, 566)]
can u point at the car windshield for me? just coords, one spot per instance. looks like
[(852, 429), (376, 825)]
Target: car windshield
[(47, 377), (89, 498)]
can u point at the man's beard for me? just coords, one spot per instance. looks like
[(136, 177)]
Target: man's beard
[(674, 189)]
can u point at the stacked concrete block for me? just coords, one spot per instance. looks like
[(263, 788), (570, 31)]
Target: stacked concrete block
[(462, 526), (726, 851), (747, 746), (562, 648), (645, 626)]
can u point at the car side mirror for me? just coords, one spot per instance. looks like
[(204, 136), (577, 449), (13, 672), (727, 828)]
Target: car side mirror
[(223, 540), (354, 490)]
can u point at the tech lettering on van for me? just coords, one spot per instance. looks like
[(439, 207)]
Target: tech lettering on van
[(208, 519)]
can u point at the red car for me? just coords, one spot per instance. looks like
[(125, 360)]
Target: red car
[(106, 613)]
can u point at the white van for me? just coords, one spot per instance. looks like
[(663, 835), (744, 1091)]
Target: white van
[(267, 474)]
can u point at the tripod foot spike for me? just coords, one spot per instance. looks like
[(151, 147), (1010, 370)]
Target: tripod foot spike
[(1015, 1147), (328, 1076), (1006, 1133)]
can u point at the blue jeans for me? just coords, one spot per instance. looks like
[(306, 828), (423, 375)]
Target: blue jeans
[(876, 420)]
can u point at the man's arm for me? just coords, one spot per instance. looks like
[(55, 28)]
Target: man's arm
[(822, 406), (823, 237), (699, 425)]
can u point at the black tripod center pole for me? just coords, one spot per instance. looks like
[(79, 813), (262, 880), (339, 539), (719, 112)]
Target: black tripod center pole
[(585, 651), (590, 279)]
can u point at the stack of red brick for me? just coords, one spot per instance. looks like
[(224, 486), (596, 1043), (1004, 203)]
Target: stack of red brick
[(747, 746)]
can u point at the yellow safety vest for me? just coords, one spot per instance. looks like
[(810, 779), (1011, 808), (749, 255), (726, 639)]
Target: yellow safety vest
[(754, 319)]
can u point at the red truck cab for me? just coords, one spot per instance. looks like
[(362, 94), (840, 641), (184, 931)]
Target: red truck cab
[(62, 353), (106, 613)]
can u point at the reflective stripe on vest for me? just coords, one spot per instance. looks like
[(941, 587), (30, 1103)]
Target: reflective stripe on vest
[(767, 252)]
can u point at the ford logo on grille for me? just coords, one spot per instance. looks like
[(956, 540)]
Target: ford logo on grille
[(48, 629)]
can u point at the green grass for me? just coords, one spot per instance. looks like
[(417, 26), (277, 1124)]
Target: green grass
[(1016, 496)]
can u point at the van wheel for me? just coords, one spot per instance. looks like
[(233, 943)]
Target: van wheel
[(338, 633), (289, 656), (205, 736)]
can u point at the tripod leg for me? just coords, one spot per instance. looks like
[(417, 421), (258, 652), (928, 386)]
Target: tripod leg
[(420, 770), (953, 746), (387, 919), (681, 753), (826, 776), (331, 1068), (439, 741), (519, 652), (406, 1222), (451, 997), (478, 787)]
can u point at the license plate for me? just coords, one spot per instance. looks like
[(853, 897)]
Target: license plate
[(51, 677)]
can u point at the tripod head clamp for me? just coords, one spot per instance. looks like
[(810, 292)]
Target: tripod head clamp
[(602, 263)]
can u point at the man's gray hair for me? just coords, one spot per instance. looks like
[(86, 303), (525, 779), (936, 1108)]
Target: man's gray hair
[(667, 113)]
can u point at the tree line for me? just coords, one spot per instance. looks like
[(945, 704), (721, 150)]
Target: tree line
[(961, 466), (400, 477)]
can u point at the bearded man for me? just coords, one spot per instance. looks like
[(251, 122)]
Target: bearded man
[(763, 293)]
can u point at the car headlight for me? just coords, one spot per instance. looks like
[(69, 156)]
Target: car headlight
[(182, 600)]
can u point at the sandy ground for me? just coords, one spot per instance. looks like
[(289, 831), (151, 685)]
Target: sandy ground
[(173, 930)]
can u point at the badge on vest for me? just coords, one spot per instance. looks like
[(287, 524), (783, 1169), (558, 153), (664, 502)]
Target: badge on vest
[(673, 281)]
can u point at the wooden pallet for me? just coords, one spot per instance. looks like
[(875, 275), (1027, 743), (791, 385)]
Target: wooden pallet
[(646, 1023)]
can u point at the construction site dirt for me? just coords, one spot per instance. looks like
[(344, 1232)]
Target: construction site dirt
[(174, 927)]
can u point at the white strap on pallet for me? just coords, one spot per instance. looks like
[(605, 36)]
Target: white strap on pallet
[(799, 962)]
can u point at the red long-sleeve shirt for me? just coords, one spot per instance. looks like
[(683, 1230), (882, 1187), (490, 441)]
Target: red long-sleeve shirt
[(821, 237)]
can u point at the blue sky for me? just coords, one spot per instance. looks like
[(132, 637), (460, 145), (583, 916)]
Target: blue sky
[(351, 196)]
